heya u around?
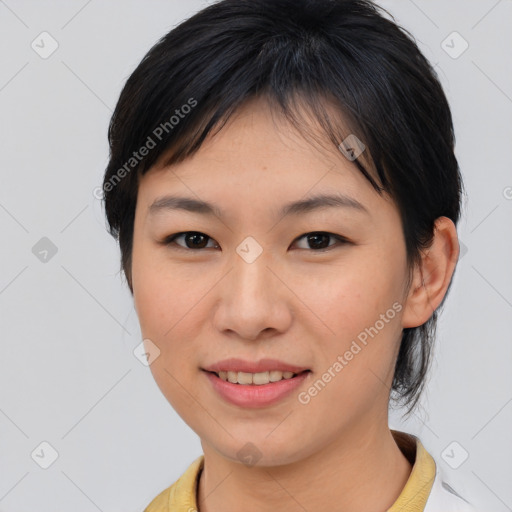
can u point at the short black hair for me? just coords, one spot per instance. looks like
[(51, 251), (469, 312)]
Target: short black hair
[(348, 54)]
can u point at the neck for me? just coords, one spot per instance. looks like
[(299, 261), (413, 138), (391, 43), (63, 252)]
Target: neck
[(355, 473)]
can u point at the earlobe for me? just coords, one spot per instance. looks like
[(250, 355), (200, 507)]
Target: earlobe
[(432, 277)]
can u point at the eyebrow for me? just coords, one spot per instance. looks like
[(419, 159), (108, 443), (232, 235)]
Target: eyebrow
[(317, 202)]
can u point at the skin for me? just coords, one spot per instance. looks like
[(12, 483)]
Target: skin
[(294, 303)]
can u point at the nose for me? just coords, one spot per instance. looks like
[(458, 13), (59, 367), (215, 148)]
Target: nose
[(253, 301)]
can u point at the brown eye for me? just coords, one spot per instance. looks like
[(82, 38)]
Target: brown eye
[(319, 240), (192, 240)]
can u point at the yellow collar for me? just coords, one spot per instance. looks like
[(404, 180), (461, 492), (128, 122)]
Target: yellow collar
[(414, 495), (181, 496)]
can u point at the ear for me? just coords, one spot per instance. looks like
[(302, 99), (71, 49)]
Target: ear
[(432, 277)]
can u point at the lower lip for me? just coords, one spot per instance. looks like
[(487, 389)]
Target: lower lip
[(253, 396)]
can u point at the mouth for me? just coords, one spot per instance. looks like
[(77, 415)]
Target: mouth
[(256, 390), (256, 379)]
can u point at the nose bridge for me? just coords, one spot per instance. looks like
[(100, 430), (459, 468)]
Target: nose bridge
[(251, 300), (252, 281)]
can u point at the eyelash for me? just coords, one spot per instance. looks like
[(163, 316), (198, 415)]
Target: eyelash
[(170, 240)]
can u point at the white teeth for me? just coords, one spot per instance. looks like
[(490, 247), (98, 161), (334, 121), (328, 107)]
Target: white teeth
[(255, 378), (259, 378)]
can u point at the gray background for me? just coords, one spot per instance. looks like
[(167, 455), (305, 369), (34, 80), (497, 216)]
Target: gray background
[(68, 374)]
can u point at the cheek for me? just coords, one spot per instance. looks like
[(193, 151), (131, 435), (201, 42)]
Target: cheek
[(158, 291), (164, 309), (348, 298), (167, 318), (151, 301), (359, 304), (171, 308)]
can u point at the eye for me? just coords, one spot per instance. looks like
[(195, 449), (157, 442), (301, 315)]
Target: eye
[(316, 240), (193, 240), (319, 240)]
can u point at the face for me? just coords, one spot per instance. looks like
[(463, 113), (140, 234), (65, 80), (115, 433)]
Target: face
[(320, 288)]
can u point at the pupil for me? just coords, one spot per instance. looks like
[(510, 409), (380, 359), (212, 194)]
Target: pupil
[(194, 238), (318, 241), (317, 237)]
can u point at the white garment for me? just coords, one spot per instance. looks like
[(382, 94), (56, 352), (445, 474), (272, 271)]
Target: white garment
[(443, 498)]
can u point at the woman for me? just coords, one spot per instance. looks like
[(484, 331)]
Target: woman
[(283, 186)]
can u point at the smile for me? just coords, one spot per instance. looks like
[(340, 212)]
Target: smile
[(257, 379), (255, 389)]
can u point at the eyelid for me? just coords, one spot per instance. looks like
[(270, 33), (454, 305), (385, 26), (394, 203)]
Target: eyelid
[(170, 240), (340, 239)]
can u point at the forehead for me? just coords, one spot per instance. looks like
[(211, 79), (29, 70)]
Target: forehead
[(261, 158)]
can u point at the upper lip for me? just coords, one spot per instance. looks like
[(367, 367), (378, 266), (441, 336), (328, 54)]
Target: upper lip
[(263, 365)]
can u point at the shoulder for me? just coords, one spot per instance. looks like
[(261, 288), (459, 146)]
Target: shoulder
[(181, 495), (161, 502), (447, 497)]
